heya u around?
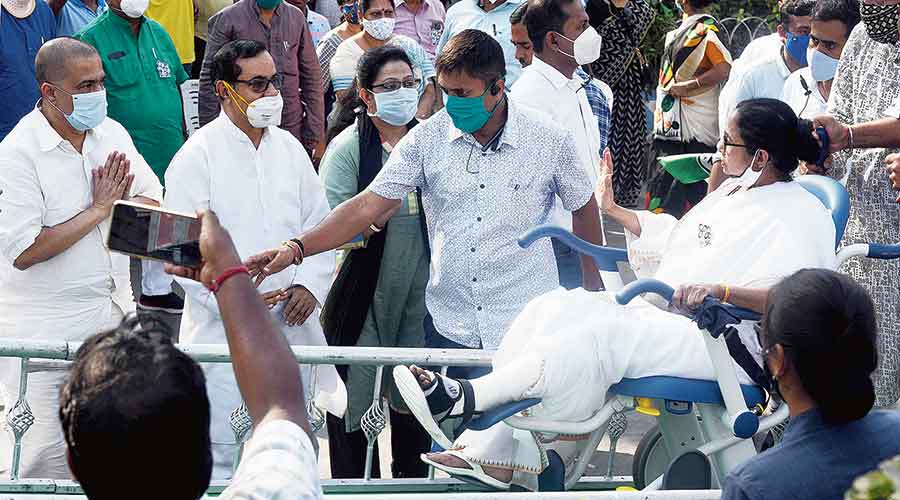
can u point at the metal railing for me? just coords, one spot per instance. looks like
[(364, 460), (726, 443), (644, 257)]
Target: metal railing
[(35, 356)]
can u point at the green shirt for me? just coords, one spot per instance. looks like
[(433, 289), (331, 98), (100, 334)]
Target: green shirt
[(143, 78)]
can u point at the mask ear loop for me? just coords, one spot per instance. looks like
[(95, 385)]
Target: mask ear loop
[(231, 94)]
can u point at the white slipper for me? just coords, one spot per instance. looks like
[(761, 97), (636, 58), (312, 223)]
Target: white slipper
[(414, 397), (476, 472)]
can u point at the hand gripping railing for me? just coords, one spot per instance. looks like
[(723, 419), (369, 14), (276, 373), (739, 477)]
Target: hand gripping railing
[(714, 317)]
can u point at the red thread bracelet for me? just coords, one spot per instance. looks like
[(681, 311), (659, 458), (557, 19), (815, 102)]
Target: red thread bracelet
[(226, 274)]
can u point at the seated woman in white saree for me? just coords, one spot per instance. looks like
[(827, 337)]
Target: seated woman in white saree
[(568, 347)]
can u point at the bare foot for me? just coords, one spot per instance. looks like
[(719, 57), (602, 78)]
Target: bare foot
[(424, 376), (498, 473)]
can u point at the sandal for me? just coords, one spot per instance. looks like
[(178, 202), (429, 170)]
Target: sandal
[(419, 406), (476, 475)]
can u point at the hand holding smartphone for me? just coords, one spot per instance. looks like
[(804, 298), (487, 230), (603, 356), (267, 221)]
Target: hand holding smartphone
[(153, 233)]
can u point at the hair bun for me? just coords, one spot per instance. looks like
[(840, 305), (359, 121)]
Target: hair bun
[(805, 144)]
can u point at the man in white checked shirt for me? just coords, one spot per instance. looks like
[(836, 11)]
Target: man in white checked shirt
[(489, 170)]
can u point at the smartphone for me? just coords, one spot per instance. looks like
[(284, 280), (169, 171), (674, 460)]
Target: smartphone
[(149, 232)]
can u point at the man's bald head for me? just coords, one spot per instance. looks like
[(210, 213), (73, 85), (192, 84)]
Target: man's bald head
[(58, 56)]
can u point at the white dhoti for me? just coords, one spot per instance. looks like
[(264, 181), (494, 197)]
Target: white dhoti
[(43, 446), (568, 348)]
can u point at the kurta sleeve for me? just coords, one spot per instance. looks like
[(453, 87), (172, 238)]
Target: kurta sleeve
[(22, 206), (188, 180), (315, 271), (340, 169), (219, 34), (645, 252), (313, 126)]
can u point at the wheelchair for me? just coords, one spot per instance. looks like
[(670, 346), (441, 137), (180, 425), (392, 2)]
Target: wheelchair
[(704, 427)]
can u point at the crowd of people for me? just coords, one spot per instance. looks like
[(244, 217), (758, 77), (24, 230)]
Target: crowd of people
[(373, 164)]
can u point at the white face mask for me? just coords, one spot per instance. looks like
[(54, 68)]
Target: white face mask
[(750, 176), (398, 107), (586, 46), (822, 66), (265, 111), (379, 29), (134, 8)]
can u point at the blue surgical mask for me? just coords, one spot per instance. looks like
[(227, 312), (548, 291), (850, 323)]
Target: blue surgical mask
[(398, 107), (88, 111), (796, 46), (351, 13), (822, 66)]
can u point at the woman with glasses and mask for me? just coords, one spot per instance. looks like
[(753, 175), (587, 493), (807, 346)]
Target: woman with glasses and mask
[(350, 25), (568, 347), (818, 339), (377, 17), (378, 298)]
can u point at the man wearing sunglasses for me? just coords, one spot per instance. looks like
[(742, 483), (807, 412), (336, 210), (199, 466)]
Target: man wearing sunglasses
[(261, 184)]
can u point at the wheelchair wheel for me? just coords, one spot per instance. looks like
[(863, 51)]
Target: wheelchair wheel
[(650, 458)]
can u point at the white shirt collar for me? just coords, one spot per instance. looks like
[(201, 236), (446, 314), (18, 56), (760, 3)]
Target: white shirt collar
[(553, 75), (48, 137)]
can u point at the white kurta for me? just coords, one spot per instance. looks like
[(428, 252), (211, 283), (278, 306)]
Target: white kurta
[(263, 197), (45, 182), (585, 342)]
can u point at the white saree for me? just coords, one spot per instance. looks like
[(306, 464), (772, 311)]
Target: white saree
[(263, 197), (585, 342)]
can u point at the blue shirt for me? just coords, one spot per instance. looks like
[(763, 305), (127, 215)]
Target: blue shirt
[(466, 14), (20, 40), (599, 105), (815, 460), (75, 15)]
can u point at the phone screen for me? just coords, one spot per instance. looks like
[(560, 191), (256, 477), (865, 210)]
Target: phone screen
[(149, 232)]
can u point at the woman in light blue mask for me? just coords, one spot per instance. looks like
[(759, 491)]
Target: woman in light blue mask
[(378, 298)]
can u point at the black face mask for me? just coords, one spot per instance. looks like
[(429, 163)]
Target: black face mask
[(881, 22)]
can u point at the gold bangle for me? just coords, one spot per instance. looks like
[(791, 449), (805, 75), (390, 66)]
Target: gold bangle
[(726, 294)]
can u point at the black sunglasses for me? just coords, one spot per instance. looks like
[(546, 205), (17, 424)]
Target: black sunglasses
[(260, 84)]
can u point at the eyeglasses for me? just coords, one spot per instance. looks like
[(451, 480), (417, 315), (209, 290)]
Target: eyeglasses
[(260, 84), (394, 84), (372, 15)]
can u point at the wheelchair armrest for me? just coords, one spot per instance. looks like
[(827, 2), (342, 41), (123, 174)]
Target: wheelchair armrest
[(605, 257), (879, 251), (492, 417)]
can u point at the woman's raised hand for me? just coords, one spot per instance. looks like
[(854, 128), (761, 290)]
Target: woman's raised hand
[(604, 192)]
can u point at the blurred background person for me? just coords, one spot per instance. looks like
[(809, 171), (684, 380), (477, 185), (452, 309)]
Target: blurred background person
[(421, 20), (205, 10), (623, 25), (72, 15), (177, 17), (24, 27)]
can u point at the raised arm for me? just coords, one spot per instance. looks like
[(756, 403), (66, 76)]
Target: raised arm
[(627, 218), (267, 374)]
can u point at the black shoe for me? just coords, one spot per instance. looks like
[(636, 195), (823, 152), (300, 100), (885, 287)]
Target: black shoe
[(171, 303)]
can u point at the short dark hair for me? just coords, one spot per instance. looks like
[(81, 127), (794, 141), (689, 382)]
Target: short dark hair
[(225, 64), (542, 17), (134, 403), (795, 8), (475, 53), (518, 15), (51, 62), (826, 323), (770, 124), (845, 11)]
